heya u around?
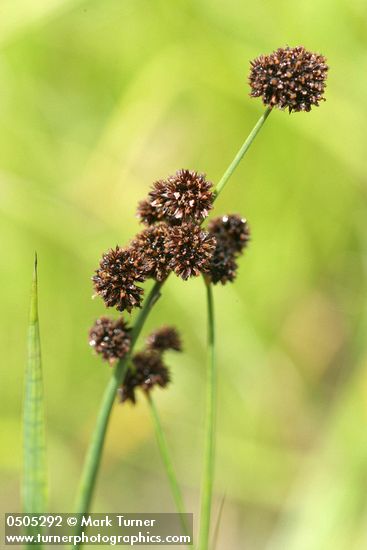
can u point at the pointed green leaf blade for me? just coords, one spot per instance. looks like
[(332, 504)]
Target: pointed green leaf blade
[(34, 457)]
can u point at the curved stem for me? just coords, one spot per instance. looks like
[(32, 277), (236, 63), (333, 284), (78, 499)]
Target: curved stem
[(241, 153), (210, 414), (167, 461), (93, 458)]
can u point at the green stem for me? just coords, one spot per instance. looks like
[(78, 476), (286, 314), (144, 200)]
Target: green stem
[(93, 458), (208, 474), (210, 414), (167, 461), (241, 153)]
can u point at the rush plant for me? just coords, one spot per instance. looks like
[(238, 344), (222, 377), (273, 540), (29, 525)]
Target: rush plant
[(177, 239)]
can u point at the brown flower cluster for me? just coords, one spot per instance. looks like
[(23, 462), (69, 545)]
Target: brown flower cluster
[(148, 368), (292, 78), (148, 214), (183, 197), (174, 210), (109, 338), (115, 279), (191, 249), (232, 235), (173, 241), (151, 244), (163, 339)]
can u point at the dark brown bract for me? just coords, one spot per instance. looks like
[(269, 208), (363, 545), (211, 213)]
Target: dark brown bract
[(115, 279), (163, 339), (148, 371), (110, 338), (191, 249), (292, 78), (182, 197), (151, 243), (233, 229)]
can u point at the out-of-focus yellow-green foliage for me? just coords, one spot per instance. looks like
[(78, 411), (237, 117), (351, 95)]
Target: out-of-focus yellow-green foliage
[(99, 99)]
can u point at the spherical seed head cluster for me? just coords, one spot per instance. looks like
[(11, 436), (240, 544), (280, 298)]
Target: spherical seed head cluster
[(115, 279), (232, 235), (233, 229), (149, 371), (185, 196), (110, 338), (147, 213), (151, 244), (223, 267), (163, 339), (292, 78), (191, 249)]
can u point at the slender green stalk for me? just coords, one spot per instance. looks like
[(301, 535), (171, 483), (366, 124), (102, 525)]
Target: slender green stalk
[(93, 458), (210, 414), (167, 461), (241, 153)]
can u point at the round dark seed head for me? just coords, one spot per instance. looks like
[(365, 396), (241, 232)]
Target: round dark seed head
[(110, 338), (126, 391), (191, 249), (147, 213), (151, 244), (223, 267), (232, 229), (115, 279), (163, 339), (149, 371), (289, 78), (183, 196)]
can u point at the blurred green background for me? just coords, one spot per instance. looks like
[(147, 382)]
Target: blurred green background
[(97, 100)]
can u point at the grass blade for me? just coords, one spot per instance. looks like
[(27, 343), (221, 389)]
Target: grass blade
[(34, 450), (218, 523)]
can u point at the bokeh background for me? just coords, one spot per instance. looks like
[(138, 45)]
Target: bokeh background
[(99, 99)]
